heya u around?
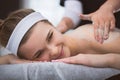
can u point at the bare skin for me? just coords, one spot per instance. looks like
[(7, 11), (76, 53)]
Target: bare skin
[(92, 53), (103, 19), (77, 46), (85, 42)]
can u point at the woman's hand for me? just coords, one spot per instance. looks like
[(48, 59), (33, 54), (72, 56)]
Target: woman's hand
[(94, 60), (103, 21)]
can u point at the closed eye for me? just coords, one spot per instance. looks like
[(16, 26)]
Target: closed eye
[(37, 54), (50, 35)]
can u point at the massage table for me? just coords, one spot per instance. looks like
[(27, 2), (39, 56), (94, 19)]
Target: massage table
[(52, 71)]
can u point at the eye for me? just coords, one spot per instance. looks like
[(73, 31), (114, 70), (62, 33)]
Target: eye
[(50, 36), (38, 55)]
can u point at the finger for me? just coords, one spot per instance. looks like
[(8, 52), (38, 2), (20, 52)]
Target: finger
[(66, 60), (101, 33), (112, 26), (78, 59), (85, 17), (96, 31), (106, 30)]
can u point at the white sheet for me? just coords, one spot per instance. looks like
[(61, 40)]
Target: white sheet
[(54, 71)]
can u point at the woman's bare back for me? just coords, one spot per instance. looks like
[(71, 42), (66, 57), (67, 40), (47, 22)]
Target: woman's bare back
[(84, 35)]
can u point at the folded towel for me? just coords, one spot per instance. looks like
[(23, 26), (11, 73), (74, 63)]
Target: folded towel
[(54, 71)]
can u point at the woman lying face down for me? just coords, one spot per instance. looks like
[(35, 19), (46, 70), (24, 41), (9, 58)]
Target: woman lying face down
[(45, 43), (34, 38)]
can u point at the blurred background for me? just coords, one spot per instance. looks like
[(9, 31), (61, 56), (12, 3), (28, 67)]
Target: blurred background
[(7, 6), (50, 9)]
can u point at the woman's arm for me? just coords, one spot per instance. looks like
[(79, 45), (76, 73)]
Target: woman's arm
[(8, 59), (95, 60), (12, 59), (4, 59)]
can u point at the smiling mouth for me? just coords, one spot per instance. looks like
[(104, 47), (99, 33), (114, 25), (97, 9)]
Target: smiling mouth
[(61, 53)]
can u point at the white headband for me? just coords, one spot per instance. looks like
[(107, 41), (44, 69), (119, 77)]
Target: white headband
[(20, 30)]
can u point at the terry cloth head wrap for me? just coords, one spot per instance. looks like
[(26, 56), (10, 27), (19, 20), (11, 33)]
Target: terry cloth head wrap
[(20, 30)]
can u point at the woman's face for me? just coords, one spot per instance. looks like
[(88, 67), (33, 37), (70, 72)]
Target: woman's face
[(44, 44)]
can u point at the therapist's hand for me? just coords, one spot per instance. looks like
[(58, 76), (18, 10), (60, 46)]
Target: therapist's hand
[(103, 21), (94, 60)]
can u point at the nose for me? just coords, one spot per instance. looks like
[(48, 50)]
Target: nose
[(53, 51)]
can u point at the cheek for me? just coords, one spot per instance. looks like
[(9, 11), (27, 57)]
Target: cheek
[(58, 39), (27, 56)]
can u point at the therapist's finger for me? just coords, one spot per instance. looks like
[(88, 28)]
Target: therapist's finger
[(96, 35), (112, 25), (106, 30), (101, 33)]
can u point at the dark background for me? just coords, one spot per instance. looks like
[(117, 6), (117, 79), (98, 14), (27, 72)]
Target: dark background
[(7, 6), (91, 6)]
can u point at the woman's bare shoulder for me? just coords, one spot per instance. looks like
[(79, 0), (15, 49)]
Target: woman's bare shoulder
[(86, 26), (88, 30), (90, 26)]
